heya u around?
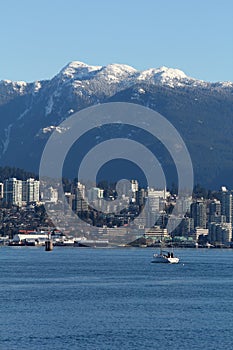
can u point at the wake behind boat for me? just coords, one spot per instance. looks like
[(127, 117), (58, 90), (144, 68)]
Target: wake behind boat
[(165, 257)]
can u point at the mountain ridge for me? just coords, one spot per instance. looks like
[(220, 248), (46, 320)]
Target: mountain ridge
[(70, 68), (201, 111)]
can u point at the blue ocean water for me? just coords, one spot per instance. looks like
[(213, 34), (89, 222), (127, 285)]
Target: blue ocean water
[(83, 298)]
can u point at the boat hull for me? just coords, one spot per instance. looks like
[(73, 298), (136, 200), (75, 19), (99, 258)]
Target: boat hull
[(165, 260)]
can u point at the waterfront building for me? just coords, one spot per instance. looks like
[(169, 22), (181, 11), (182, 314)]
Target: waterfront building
[(200, 232), (220, 233), (30, 236), (157, 233)]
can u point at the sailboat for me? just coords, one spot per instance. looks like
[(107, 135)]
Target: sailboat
[(165, 257)]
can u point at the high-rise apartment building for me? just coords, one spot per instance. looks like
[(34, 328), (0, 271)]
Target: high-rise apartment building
[(17, 192), (155, 204), (13, 191), (134, 190), (198, 213), (80, 202), (30, 190), (220, 233), (226, 204), (94, 194), (1, 190)]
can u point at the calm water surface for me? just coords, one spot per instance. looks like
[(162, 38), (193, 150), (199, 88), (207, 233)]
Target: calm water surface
[(81, 298)]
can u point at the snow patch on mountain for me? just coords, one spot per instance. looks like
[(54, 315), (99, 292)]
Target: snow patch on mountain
[(49, 106), (19, 86), (141, 91), (36, 86), (23, 114), (223, 84), (6, 142), (14, 86), (50, 129)]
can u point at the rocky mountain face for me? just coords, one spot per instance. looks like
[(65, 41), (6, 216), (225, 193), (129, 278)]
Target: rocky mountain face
[(202, 113)]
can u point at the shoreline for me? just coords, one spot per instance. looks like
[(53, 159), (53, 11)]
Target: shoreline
[(117, 246)]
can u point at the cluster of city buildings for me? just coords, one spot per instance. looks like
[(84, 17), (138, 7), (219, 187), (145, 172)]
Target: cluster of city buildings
[(199, 220), (212, 219), (19, 192), (148, 211)]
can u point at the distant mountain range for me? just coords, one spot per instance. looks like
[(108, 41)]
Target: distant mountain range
[(202, 112)]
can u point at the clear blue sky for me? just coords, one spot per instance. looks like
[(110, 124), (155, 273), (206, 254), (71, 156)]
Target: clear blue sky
[(39, 37)]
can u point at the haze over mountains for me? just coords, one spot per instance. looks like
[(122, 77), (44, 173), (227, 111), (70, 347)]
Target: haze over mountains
[(202, 112)]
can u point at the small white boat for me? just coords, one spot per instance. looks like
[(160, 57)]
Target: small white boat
[(165, 257)]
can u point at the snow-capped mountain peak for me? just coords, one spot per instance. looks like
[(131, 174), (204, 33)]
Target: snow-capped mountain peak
[(165, 75), (121, 69), (114, 73), (15, 85), (171, 72), (78, 70)]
